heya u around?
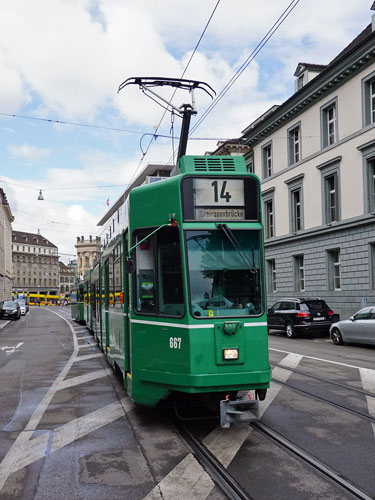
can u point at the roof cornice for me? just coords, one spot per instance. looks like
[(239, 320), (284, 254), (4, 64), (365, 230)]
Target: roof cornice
[(328, 80)]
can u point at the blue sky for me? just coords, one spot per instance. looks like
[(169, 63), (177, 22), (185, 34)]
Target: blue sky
[(63, 60)]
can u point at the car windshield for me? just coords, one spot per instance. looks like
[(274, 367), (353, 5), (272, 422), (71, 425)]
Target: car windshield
[(225, 278), (9, 303), (21, 302)]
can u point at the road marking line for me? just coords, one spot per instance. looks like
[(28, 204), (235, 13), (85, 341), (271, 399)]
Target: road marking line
[(82, 379), (11, 349), (317, 359), (188, 479), (71, 431), (368, 384), (17, 448), (51, 441), (88, 356)]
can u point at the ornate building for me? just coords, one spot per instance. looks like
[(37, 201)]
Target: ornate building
[(88, 253), (35, 262), (6, 269), (67, 279)]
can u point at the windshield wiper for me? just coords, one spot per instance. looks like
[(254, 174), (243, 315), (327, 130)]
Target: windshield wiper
[(231, 237)]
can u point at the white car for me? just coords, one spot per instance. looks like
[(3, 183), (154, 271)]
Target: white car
[(359, 328), (23, 307)]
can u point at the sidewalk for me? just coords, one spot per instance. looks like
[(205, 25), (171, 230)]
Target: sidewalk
[(4, 322)]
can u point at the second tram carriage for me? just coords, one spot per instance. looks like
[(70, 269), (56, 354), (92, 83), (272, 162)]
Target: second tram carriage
[(177, 301)]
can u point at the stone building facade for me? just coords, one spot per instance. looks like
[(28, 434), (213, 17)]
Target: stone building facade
[(66, 279), (36, 264), (6, 268), (315, 156), (88, 253)]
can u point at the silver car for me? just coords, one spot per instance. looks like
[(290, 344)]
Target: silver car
[(23, 306), (359, 328)]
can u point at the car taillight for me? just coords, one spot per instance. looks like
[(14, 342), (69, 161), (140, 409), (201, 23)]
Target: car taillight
[(303, 315), (330, 313)]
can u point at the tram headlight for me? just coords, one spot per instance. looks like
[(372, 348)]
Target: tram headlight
[(230, 354)]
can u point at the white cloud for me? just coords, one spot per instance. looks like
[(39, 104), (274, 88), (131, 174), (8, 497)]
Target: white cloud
[(29, 152)]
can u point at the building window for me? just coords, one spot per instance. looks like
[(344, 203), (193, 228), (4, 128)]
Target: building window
[(271, 275), (299, 273), (370, 185), (368, 99), (372, 264), (329, 124), (250, 164), (331, 198), (269, 218), (295, 186), (296, 210), (300, 81), (330, 192), (267, 160), (294, 145), (334, 270)]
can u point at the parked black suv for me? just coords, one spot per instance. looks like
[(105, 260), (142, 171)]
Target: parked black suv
[(10, 310), (300, 315)]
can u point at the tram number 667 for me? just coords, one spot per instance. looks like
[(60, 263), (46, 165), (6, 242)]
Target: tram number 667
[(175, 342)]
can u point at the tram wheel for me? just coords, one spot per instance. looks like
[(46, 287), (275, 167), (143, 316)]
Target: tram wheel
[(289, 329), (336, 337)]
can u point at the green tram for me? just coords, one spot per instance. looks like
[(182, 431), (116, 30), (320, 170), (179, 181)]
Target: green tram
[(76, 303), (177, 302)]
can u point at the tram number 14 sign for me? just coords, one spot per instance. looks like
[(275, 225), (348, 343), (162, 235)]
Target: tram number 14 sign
[(219, 199)]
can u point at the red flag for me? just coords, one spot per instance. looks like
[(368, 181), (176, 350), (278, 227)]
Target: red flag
[(107, 202)]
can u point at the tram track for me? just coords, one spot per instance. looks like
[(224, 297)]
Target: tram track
[(233, 490), (320, 379), (309, 459), (218, 473), (327, 401)]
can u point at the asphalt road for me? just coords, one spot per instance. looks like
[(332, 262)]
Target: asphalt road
[(68, 430)]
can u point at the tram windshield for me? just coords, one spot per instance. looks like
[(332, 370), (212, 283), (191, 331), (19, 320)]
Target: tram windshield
[(225, 272)]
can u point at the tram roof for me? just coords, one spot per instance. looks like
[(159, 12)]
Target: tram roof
[(150, 170)]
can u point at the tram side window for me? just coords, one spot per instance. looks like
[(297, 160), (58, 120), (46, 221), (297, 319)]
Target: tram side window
[(117, 276), (145, 282), (110, 281), (171, 301), (159, 273), (93, 301)]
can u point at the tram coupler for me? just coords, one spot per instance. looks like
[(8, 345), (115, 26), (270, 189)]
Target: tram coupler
[(239, 410)]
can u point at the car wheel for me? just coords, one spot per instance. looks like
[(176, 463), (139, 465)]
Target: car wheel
[(289, 330), (336, 337)]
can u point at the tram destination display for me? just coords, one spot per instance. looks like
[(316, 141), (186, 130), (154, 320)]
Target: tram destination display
[(220, 199)]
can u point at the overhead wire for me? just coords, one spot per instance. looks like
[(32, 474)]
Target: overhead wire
[(287, 11), (50, 221), (175, 90), (87, 125)]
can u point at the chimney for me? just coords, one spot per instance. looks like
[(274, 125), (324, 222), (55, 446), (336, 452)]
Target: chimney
[(78, 239), (90, 238), (82, 238)]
